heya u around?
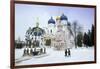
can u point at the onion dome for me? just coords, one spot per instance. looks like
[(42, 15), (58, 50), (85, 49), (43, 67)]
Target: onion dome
[(63, 17), (58, 18), (38, 31), (51, 21)]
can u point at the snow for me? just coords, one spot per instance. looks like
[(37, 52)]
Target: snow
[(54, 56)]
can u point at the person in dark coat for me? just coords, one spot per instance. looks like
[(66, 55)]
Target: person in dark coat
[(65, 52), (41, 50), (24, 52), (27, 51), (69, 52)]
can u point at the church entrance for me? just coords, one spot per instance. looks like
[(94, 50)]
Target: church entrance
[(36, 43), (48, 42)]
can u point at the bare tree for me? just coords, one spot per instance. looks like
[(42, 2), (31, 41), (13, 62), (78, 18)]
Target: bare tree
[(76, 29), (69, 28)]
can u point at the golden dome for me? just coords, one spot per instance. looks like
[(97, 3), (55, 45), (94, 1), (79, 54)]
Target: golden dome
[(58, 18)]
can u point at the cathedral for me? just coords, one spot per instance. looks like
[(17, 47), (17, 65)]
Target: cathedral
[(59, 33)]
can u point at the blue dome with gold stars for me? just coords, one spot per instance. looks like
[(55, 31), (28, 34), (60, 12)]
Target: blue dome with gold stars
[(37, 31), (51, 21), (63, 17)]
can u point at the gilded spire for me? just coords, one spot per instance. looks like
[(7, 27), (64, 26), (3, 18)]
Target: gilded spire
[(37, 23)]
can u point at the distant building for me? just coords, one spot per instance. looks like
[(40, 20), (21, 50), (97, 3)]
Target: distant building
[(19, 44)]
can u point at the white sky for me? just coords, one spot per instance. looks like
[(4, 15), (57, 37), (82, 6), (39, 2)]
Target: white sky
[(26, 16)]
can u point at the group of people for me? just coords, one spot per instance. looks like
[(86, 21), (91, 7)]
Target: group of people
[(34, 52), (67, 52), (42, 51)]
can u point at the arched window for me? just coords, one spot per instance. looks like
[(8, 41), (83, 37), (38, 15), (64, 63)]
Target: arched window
[(51, 30)]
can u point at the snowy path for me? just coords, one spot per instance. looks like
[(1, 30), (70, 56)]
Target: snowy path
[(53, 56)]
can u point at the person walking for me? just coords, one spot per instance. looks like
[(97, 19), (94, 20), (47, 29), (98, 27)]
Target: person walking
[(66, 52), (69, 52), (24, 53)]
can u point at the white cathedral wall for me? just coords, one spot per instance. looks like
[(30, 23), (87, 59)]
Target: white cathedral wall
[(64, 22), (52, 27)]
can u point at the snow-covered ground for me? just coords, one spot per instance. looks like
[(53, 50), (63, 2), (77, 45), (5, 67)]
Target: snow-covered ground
[(54, 56)]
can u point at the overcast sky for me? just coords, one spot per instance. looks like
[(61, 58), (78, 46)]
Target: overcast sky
[(26, 16)]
